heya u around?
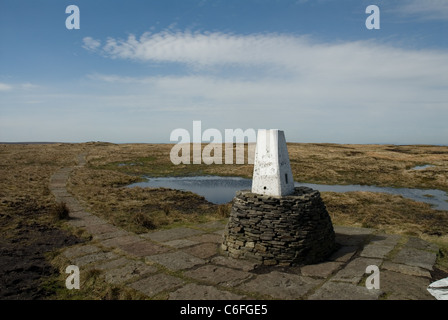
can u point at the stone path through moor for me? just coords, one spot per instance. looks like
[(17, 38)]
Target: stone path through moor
[(185, 263)]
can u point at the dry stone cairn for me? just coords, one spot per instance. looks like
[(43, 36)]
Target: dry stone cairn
[(276, 223)]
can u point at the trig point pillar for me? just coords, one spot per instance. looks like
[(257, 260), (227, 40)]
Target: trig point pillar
[(275, 223), (272, 171)]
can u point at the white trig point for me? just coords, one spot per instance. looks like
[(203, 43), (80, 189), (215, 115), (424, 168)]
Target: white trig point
[(272, 170)]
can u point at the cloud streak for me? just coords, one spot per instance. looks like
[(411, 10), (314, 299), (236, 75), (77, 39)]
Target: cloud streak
[(285, 65), (90, 44), (5, 87), (348, 92), (18, 86), (289, 55), (345, 87), (425, 10), (201, 49)]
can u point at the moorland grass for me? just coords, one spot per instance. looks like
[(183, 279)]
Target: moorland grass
[(100, 186)]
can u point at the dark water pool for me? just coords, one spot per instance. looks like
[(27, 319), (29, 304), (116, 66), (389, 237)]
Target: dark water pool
[(220, 190)]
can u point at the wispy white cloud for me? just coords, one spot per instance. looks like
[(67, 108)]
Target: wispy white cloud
[(283, 59), (349, 92), (90, 44), (203, 49), (424, 10), (288, 55), (353, 88), (20, 86), (29, 86), (5, 87)]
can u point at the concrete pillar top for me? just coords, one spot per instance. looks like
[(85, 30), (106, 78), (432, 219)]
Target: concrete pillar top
[(272, 170)]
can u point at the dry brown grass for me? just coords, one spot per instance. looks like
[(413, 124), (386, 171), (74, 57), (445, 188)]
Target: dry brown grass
[(110, 167), (60, 211), (26, 170), (137, 209), (391, 213), (381, 165), (92, 285)]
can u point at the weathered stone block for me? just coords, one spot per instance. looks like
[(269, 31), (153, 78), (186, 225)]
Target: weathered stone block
[(250, 244), (294, 229)]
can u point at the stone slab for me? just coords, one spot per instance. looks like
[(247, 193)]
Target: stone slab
[(79, 214), (143, 248), (97, 229), (73, 207), (409, 270), (194, 291), (77, 251), (94, 257), (203, 251), (110, 235), (211, 225), (351, 231), (320, 270), (281, 285), (219, 275), (239, 264), (58, 185), (171, 234), (113, 264), (86, 221), (121, 241), (156, 284), (415, 257), (180, 243), (71, 202), (128, 271), (400, 286), (344, 291), (207, 237), (351, 236), (355, 270), (385, 239), (343, 254), (175, 260), (420, 244), (373, 250)]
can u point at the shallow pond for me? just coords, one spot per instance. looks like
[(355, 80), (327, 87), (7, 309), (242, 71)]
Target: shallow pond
[(220, 190), (423, 167)]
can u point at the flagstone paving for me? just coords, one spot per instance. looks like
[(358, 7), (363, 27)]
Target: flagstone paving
[(185, 262)]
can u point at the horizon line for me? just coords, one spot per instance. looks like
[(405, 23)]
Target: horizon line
[(336, 143)]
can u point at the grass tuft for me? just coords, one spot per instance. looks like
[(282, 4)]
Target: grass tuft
[(224, 210), (141, 219), (60, 211)]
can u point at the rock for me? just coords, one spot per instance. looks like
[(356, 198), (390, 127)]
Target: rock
[(293, 229)]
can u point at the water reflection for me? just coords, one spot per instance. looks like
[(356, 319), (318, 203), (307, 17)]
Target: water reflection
[(220, 190), (423, 167)]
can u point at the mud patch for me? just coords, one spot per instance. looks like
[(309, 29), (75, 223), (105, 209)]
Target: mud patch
[(23, 265)]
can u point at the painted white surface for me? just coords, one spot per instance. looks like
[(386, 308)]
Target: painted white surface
[(439, 289), (272, 170)]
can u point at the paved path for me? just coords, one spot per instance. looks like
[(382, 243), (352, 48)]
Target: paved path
[(185, 263)]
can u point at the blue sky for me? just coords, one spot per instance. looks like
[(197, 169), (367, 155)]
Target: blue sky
[(136, 70)]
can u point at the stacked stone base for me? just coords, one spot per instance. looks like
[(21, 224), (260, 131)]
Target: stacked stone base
[(290, 230)]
